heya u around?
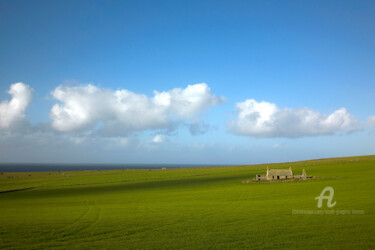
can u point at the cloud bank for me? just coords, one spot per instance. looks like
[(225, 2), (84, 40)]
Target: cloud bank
[(264, 119), (371, 121), (12, 112), (108, 119), (123, 111)]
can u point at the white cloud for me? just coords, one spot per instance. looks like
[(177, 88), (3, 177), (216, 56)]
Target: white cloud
[(158, 139), (124, 111), (13, 112), (371, 121), (264, 119)]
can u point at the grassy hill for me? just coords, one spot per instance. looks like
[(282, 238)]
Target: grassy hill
[(196, 208)]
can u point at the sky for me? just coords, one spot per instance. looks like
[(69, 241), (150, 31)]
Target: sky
[(187, 82)]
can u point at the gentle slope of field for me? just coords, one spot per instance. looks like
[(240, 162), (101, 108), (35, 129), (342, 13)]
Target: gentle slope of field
[(189, 208)]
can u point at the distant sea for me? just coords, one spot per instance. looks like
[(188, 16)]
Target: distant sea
[(36, 167)]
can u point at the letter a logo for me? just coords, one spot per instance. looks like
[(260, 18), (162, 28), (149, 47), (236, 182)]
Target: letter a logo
[(326, 197)]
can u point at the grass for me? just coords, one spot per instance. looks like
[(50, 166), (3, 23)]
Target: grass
[(196, 208)]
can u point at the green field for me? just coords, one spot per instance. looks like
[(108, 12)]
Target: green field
[(197, 208)]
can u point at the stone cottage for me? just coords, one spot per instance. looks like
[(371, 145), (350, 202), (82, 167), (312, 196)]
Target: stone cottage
[(280, 174)]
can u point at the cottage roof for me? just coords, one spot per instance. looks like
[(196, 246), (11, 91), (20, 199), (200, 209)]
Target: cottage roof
[(280, 172)]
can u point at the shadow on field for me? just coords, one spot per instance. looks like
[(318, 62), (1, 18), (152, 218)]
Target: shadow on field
[(130, 186), (15, 190)]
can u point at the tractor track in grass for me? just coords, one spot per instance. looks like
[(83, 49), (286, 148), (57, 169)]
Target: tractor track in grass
[(85, 221), (76, 229)]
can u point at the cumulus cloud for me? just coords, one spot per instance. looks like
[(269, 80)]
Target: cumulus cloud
[(82, 107), (264, 119), (371, 121), (158, 139), (12, 112)]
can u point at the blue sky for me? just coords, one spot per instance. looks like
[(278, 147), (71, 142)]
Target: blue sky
[(275, 73)]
